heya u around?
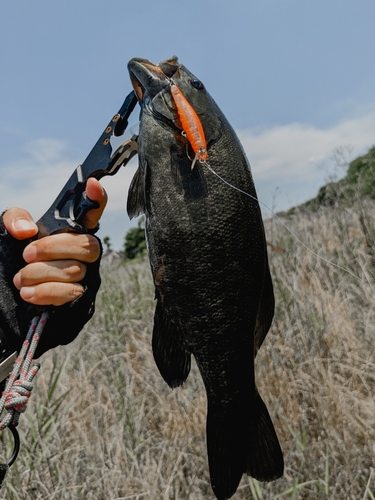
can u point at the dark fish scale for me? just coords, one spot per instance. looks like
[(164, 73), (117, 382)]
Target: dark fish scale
[(214, 293)]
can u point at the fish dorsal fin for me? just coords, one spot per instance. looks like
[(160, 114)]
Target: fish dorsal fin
[(136, 196)]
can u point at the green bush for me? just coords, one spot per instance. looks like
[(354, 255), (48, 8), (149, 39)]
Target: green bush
[(135, 241)]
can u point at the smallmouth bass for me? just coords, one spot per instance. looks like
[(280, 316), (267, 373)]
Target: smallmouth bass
[(209, 262)]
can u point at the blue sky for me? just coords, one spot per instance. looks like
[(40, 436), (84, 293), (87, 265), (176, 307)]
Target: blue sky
[(295, 78)]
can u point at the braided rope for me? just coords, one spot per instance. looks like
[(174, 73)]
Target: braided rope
[(20, 382)]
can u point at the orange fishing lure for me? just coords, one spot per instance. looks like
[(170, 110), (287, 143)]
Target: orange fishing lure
[(191, 125)]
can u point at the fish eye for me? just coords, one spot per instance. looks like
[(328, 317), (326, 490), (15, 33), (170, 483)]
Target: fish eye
[(197, 84)]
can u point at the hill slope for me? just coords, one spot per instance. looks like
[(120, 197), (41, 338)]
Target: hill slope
[(358, 182)]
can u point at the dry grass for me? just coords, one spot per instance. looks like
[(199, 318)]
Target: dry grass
[(103, 425)]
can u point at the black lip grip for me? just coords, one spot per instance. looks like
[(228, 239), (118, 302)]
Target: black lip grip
[(70, 207)]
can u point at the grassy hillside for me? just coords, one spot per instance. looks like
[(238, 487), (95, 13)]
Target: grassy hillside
[(103, 425), (359, 182)]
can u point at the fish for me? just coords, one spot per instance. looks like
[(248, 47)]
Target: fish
[(208, 257)]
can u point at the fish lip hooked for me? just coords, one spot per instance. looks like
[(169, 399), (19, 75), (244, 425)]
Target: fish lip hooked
[(152, 84), (146, 77), (138, 87)]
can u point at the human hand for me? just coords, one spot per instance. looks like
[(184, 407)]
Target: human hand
[(55, 264)]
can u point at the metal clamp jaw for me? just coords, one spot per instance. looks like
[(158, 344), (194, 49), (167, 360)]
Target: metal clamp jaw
[(68, 210)]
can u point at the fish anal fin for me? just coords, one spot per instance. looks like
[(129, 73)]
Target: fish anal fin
[(171, 357), (266, 311)]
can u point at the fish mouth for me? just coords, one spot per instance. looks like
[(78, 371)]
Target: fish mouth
[(150, 78)]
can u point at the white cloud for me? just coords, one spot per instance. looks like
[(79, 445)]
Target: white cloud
[(291, 157), (34, 179), (29, 180)]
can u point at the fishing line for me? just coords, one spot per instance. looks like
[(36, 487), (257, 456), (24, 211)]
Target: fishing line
[(194, 134), (283, 223)]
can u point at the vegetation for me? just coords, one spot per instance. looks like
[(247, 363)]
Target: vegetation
[(107, 243), (103, 425), (135, 241), (358, 182)]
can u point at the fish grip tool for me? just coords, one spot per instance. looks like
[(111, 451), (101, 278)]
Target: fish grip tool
[(67, 212)]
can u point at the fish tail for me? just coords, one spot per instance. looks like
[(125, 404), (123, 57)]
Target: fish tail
[(241, 439), (264, 460)]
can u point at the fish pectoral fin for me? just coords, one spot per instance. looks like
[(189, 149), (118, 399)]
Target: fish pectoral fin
[(136, 196), (170, 355), (266, 311), (192, 183)]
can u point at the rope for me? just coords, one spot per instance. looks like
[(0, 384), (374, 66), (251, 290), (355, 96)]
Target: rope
[(20, 382)]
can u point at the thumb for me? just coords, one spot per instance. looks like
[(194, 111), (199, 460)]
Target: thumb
[(95, 192), (19, 223)]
